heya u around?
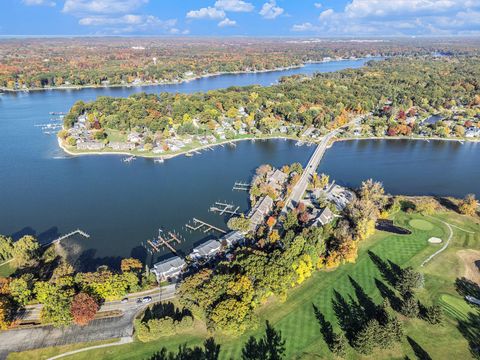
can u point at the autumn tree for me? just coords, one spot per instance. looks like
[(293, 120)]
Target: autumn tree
[(426, 206), (469, 205), (6, 312), (239, 223), (131, 264), (83, 308)]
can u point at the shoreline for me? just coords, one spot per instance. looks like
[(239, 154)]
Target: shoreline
[(273, 137), (171, 156), (148, 84), (178, 82)]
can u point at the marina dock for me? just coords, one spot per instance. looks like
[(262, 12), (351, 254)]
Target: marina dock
[(203, 226)]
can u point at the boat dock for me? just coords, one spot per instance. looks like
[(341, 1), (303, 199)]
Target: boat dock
[(70, 234), (129, 159), (203, 226), (223, 209), (241, 186), (165, 241)]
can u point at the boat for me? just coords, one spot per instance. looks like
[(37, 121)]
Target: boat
[(188, 154), (158, 161), (129, 159)]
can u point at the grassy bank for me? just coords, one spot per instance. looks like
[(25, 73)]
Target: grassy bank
[(296, 319)]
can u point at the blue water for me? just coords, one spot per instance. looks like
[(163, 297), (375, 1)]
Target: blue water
[(48, 193)]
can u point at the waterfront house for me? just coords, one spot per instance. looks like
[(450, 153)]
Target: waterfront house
[(472, 132), (134, 137), (90, 145), (322, 217), (169, 269), (336, 194), (158, 150), (121, 146), (258, 213), (232, 238), (277, 179), (206, 250)]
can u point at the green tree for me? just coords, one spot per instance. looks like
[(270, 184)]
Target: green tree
[(6, 247), (25, 251), (21, 289), (239, 223)]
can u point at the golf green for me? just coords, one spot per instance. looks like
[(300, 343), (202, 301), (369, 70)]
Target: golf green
[(420, 224)]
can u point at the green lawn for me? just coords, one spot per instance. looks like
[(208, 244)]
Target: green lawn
[(7, 269), (296, 320), (49, 352)]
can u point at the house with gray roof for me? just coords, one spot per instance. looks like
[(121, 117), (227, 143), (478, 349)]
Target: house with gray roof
[(121, 146), (258, 213), (206, 250), (232, 238), (169, 269), (90, 145), (323, 217)]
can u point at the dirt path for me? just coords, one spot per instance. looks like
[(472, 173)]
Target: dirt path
[(471, 262)]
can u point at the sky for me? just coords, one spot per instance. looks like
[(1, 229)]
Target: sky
[(326, 18)]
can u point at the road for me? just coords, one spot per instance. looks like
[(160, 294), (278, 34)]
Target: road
[(99, 329), (301, 186), (32, 312)]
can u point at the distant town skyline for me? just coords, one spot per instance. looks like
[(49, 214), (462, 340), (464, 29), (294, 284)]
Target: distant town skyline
[(328, 18)]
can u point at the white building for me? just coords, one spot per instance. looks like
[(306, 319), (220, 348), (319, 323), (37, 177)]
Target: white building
[(169, 269)]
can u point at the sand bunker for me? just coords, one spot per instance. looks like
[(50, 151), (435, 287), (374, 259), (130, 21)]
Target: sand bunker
[(434, 240), (471, 262)]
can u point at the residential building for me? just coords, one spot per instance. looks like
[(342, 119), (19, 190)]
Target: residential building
[(90, 145), (323, 217), (169, 269), (206, 250), (258, 213), (232, 238)]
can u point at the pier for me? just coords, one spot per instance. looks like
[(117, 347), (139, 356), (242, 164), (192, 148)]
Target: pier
[(223, 209), (164, 241), (203, 226), (70, 234), (241, 186)]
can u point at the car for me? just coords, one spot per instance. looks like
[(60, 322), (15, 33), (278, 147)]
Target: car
[(124, 300), (146, 299)]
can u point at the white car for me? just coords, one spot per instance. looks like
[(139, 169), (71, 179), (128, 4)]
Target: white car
[(146, 299)]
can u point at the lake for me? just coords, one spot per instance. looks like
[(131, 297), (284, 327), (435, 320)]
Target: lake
[(48, 193)]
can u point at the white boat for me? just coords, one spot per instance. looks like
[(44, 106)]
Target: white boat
[(128, 159), (158, 161)]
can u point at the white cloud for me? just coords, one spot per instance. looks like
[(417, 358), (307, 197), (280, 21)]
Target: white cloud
[(206, 13), (227, 22), (380, 8), (326, 14), (38, 2), (318, 5), (234, 5), (305, 27), (140, 22), (78, 7), (270, 10), (401, 17)]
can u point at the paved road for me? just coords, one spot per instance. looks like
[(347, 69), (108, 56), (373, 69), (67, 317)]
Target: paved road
[(100, 329), (32, 312)]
